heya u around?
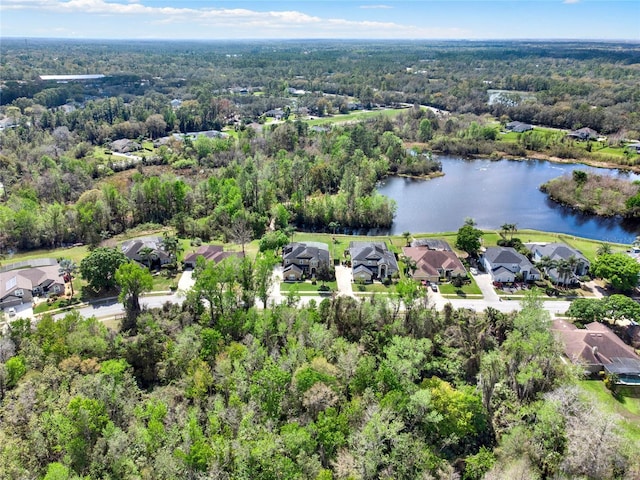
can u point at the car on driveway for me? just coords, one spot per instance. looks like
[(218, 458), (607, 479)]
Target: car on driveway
[(434, 287), (473, 271)]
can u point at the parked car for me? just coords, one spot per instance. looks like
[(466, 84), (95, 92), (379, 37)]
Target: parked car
[(473, 271), (12, 312), (434, 287)]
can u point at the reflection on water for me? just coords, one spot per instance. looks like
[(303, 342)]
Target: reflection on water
[(498, 192)]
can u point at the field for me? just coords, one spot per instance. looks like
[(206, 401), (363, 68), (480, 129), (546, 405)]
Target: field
[(357, 115)]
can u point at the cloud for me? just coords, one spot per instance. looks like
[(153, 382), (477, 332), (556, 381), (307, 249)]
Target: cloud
[(570, 2), (218, 22)]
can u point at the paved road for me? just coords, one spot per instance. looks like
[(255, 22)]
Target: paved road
[(112, 308)]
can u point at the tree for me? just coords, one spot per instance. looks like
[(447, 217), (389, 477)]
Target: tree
[(241, 232), (564, 270), (67, 268), (620, 270), (263, 275), (468, 239), (146, 255), (273, 241), (171, 244), (133, 280), (407, 237), (604, 249), (99, 268)]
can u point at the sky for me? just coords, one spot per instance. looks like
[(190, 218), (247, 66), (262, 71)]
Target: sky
[(322, 19)]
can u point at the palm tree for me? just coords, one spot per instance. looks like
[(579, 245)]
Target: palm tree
[(407, 236), (564, 271), (145, 255), (545, 264), (67, 268), (171, 244), (603, 249)]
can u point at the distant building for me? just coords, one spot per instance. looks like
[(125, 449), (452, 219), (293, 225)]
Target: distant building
[(135, 250), (70, 78), (519, 127), (583, 134)]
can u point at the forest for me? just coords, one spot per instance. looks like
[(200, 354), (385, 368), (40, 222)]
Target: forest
[(62, 182), (244, 141), (342, 389)]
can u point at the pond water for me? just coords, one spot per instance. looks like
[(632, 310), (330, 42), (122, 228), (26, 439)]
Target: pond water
[(498, 192)]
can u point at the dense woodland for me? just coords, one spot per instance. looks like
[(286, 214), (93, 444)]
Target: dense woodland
[(344, 389), (61, 185)]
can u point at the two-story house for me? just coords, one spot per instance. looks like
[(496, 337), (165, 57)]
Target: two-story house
[(304, 259), (558, 252), (504, 264), (371, 261), (21, 286)]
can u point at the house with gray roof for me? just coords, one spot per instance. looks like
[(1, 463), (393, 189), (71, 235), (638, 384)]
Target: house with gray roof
[(21, 286), (583, 134), (135, 250), (559, 252), (372, 261), (304, 259), (504, 264), (519, 127), (432, 244)]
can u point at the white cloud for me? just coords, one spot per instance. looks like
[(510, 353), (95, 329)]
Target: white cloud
[(212, 22)]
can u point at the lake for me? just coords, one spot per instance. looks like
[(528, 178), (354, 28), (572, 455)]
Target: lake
[(498, 192)]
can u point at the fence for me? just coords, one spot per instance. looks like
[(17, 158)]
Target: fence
[(36, 262)]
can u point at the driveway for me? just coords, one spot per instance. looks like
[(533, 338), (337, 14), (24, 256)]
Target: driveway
[(486, 287), (343, 279), (186, 281)]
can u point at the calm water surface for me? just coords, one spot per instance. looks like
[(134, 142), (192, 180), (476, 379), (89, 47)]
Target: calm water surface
[(494, 193)]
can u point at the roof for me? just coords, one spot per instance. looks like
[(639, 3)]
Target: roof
[(67, 78), (432, 261), (307, 250), (28, 279), (597, 344), (131, 248), (292, 268), (504, 255), (556, 251), (519, 126), (431, 244), (211, 253)]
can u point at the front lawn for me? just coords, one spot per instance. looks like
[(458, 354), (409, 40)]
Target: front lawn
[(307, 288), (375, 287), (466, 289)]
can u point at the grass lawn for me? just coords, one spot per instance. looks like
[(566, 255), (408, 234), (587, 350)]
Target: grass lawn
[(358, 115), (373, 288), (467, 289), (627, 407), (306, 288)]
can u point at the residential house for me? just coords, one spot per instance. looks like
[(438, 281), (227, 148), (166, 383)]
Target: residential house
[(505, 264), (125, 145), (304, 259), (433, 265), (21, 286), (598, 349), (634, 147), (135, 250), (583, 134), (205, 133), (519, 127), (175, 103), (371, 261), (558, 252), (432, 244), (211, 253)]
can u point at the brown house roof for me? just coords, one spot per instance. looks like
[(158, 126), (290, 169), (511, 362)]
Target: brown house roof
[(597, 344), (210, 253), (432, 262)]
